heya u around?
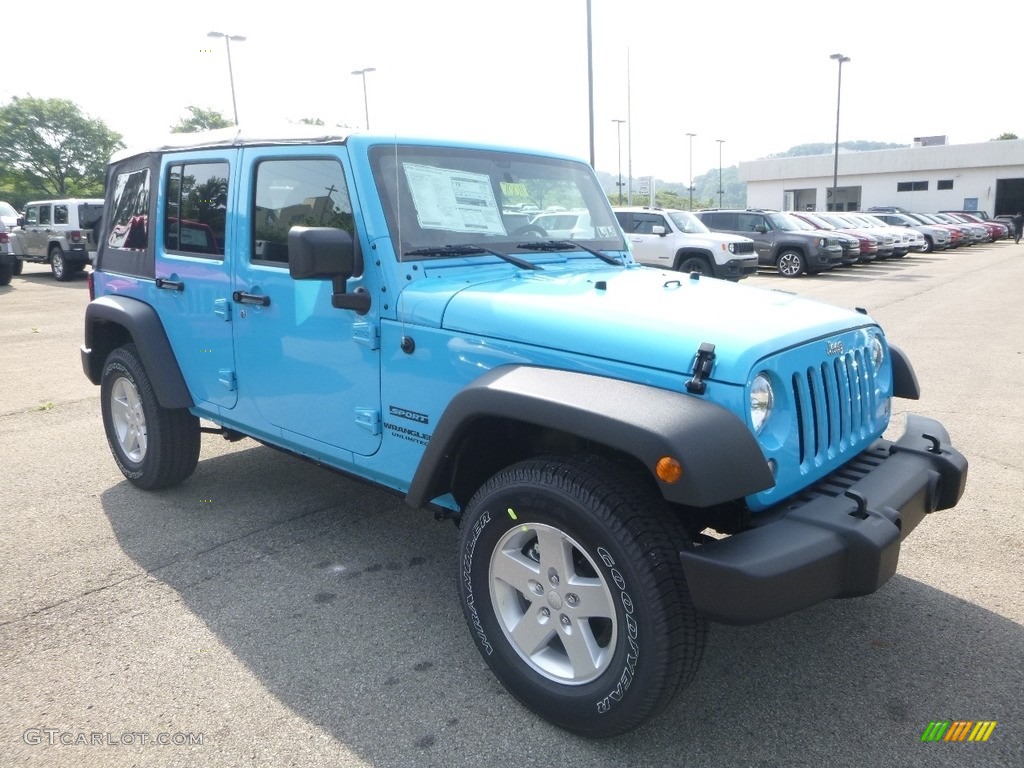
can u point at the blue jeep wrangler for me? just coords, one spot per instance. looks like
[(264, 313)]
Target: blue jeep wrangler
[(628, 452)]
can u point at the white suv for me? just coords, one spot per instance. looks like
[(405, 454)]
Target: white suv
[(61, 233), (680, 241)]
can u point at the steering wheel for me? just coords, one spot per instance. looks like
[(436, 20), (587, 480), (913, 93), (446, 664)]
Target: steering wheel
[(529, 229)]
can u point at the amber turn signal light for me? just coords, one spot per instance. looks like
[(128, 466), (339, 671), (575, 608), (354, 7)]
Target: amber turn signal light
[(668, 470)]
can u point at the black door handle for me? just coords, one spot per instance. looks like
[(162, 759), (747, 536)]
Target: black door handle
[(170, 285), (251, 298)]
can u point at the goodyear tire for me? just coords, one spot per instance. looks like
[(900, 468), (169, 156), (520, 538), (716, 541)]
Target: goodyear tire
[(572, 587), (154, 447)]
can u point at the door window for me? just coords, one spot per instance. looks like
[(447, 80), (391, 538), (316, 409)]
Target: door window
[(60, 214), (644, 223), (44, 214), (289, 193), (32, 215), (197, 204)]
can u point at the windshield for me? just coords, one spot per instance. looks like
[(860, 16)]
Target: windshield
[(438, 197), (7, 213), (817, 221), (688, 223), (786, 223)]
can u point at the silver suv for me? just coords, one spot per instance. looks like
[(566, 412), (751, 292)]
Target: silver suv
[(679, 240), (61, 233)]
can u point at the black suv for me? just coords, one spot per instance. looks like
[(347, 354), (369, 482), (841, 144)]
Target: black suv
[(779, 241)]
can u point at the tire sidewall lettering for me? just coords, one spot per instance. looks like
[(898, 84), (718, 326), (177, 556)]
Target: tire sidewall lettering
[(612, 686), (467, 582)]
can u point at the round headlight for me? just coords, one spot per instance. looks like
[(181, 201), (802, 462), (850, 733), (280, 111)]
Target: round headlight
[(877, 353), (761, 400)]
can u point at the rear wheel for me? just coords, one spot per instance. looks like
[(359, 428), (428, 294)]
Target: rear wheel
[(154, 447), (791, 264), (6, 272), (59, 265), (572, 587), (19, 265)]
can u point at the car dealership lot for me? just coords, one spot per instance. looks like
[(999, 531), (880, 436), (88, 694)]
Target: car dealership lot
[(281, 614)]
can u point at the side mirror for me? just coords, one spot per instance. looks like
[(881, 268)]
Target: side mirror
[(761, 228), (658, 229), (21, 221), (326, 253)]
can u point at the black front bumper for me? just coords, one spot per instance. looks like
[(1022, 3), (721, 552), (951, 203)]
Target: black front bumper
[(841, 538)]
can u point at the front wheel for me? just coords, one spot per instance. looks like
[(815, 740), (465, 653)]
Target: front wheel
[(690, 264), (19, 265), (154, 447), (791, 264), (572, 587), (6, 273)]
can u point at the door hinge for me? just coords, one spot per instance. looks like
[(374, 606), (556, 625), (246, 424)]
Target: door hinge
[(227, 378), (366, 332), (222, 308), (368, 419)]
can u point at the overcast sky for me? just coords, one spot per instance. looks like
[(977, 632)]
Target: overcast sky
[(755, 74)]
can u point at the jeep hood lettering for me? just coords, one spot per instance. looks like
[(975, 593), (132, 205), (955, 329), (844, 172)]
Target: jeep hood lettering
[(640, 316)]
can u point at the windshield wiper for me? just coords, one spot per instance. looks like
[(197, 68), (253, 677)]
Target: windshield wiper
[(564, 245), (470, 250)]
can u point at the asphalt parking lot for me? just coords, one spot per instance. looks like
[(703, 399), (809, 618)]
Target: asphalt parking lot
[(270, 612)]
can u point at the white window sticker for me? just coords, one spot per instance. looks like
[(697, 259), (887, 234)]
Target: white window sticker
[(456, 201)]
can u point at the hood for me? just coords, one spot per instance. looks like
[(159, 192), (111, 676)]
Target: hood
[(638, 316)]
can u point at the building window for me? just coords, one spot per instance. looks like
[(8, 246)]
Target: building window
[(912, 186), (945, 184)]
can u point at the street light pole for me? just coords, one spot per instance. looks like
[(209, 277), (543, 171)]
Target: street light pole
[(691, 135), (618, 130), (366, 104), (231, 75), (720, 190), (839, 94), (590, 79)]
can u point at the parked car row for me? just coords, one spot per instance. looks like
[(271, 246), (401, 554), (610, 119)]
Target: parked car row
[(795, 243), (971, 226)]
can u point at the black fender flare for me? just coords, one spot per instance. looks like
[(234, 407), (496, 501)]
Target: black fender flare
[(720, 457), (904, 379), (105, 316)]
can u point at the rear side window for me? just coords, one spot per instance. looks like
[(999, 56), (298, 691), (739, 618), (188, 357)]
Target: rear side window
[(129, 225), (720, 221), (195, 220), (60, 214), (289, 193)]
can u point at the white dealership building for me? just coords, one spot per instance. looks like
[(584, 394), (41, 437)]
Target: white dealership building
[(931, 175)]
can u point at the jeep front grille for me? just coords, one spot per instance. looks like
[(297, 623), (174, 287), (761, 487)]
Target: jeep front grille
[(742, 249), (836, 403)]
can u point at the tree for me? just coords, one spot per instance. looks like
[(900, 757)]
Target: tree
[(1006, 137), (201, 120), (48, 148)]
